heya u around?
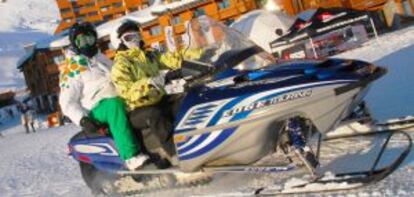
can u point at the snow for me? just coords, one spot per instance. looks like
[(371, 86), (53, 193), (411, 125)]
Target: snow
[(22, 22), (392, 95), (37, 164), (172, 6), (21, 15)]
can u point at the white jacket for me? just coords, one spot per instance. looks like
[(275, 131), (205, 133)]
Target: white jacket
[(83, 83)]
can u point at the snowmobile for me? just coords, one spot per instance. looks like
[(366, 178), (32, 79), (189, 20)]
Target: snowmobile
[(240, 105)]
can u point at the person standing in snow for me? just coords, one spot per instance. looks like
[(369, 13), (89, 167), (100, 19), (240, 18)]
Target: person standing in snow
[(88, 96), (26, 117), (139, 79)]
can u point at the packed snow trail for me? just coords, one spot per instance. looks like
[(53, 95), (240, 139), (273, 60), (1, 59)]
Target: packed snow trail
[(37, 164)]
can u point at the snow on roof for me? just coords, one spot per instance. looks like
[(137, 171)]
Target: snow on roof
[(25, 58), (56, 41), (176, 6)]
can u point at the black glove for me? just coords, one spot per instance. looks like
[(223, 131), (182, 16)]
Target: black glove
[(173, 75), (89, 125)]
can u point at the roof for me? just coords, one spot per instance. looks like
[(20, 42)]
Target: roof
[(26, 57), (54, 42)]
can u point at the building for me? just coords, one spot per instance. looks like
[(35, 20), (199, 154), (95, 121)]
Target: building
[(41, 63), (6, 98), (385, 9), (40, 67), (95, 11)]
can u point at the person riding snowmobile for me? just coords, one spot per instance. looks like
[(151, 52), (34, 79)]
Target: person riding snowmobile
[(139, 80), (88, 97)]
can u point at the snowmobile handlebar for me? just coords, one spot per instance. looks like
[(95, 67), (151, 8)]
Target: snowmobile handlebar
[(228, 59)]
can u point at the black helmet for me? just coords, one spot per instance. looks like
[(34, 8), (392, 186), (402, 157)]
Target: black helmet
[(127, 26), (86, 29)]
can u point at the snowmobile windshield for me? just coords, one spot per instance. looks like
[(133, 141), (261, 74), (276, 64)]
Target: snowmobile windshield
[(215, 39)]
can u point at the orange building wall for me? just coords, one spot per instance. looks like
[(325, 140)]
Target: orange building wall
[(94, 11)]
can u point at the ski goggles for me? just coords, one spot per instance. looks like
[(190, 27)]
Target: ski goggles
[(85, 40), (130, 37)]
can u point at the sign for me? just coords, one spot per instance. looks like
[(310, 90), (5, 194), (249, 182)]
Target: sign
[(169, 38)]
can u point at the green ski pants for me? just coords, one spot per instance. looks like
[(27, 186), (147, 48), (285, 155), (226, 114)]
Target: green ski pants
[(112, 111)]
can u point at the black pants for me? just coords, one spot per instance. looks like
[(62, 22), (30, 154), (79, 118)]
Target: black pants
[(154, 125), (26, 126), (158, 118)]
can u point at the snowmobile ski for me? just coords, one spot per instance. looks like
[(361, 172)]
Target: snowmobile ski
[(344, 181)]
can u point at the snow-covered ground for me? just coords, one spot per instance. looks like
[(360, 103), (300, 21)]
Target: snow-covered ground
[(22, 22), (36, 164), (393, 95)]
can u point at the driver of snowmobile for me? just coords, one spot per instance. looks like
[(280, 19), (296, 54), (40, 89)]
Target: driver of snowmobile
[(88, 97), (139, 79)]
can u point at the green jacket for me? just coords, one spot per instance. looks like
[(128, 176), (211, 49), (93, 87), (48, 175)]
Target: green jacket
[(133, 68)]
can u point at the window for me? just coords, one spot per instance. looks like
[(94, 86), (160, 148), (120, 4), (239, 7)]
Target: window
[(65, 10), (155, 31), (224, 4), (133, 9), (108, 17), (199, 12), (104, 8), (176, 20), (93, 13), (76, 10), (179, 40), (143, 6), (92, 4), (117, 5), (81, 18)]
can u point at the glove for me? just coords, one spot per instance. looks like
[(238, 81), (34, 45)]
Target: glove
[(173, 75), (89, 125), (175, 87), (157, 81)]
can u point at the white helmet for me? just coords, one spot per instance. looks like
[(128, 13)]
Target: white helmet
[(120, 29)]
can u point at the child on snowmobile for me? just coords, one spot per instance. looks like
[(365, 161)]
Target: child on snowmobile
[(88, 97), (139, 80)]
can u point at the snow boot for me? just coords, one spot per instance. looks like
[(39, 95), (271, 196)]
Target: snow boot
[(136, 162)]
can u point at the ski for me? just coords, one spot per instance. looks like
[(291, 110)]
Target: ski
[(354, 128), (344, 181)]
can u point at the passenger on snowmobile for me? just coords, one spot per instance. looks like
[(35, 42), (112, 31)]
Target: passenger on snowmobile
[(89, 98), (139, 79)]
